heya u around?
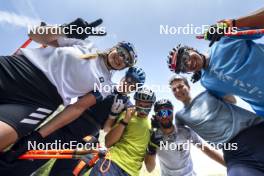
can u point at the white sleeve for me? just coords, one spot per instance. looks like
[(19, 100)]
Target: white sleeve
[(195, 138), (63, 41)]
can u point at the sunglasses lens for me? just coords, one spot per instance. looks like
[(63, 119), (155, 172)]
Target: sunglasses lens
[(164, 113), (123, 53)]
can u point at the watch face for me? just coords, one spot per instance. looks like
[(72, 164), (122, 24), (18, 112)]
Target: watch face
[(101, 79)]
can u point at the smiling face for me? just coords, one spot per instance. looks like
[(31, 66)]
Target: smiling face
[(192, 61), (143, 108), (180, 90), (116, 60)]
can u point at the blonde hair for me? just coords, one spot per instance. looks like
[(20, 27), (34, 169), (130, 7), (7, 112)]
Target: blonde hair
[(94, 55)]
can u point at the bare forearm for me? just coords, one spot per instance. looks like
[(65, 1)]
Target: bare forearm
[(108, 124), (114, 135), (46, 35), (65, 117), (230, 99), (150, 162), (68, 115), (255, 19)]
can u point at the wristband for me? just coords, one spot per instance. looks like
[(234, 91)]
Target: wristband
[(114, 114), (151, 150), (233, 23), (98, 95), (123, 123)]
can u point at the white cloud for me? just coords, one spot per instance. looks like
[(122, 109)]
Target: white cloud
[(17, 20)]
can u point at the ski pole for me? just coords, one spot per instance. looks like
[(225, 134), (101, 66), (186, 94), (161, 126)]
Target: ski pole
[(28, 41), (54, 156), (66, 151), (239, 33), (24, 45), (58, 154)]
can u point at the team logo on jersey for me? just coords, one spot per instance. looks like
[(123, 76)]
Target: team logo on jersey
[(101, 79)]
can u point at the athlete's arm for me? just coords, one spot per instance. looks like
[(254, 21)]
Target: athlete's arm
[(213, 154), (119, 104), (255, 19), (68, 115), (230, 99), (116, 132), (109, 124), (48, 37), (150, 162)]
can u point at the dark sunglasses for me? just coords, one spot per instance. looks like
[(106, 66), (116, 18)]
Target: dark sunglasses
[(124, 54), (164, 113)]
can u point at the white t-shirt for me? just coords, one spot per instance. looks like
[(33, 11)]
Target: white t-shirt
[(71, 75), (176, 159)]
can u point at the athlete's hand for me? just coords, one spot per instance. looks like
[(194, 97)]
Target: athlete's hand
[(230, 22), (155, 139), (154, 143), (154, 122), (21, 147), (88, 29), (129, 113), (215, 32), (118, 105)]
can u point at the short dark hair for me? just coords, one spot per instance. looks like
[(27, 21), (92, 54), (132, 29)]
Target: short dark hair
[(179, 77)]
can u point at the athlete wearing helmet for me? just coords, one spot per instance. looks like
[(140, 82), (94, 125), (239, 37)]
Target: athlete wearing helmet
[(173, 161), (128, 52), (129, 138), (233, 65), (136, 74), (101, 115), (144, 100), (134, 77), (44, 78)]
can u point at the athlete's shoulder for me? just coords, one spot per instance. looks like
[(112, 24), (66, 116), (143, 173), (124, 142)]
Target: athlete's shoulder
[(185, 132)]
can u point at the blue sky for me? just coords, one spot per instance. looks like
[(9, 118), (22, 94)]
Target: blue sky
[(137, 21)]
